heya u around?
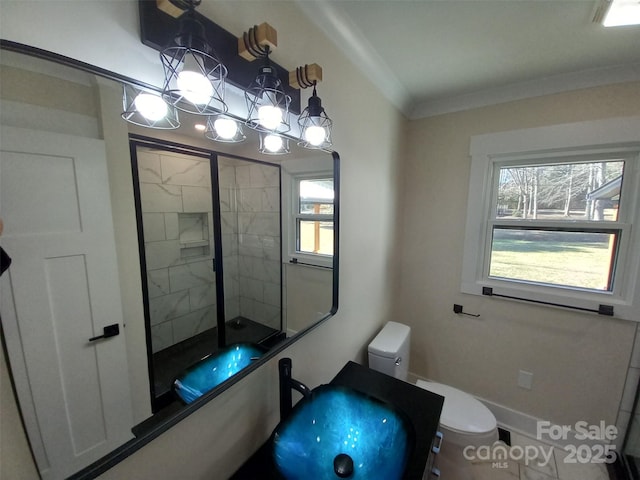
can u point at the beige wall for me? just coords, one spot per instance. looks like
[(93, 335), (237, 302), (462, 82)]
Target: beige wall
[(214, 441), (579, 360), (309, 291)]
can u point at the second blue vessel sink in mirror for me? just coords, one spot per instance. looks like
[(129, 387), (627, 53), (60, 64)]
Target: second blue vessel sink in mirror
[(337, 432), (214, 369)]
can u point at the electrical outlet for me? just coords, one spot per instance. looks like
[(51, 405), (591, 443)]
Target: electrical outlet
[(525, 379)]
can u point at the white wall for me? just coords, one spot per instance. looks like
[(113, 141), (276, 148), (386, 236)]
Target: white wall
[(214, 441)]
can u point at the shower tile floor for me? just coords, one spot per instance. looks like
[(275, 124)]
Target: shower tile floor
[(555, 469), (172, 361)]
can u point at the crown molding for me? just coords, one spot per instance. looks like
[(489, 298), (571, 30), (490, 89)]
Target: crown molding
[(335, 24), (529, 89)]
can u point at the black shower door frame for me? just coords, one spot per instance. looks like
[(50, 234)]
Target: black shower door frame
[(137, 141)]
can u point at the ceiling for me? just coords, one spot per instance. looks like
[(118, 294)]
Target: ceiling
[(437, 56)]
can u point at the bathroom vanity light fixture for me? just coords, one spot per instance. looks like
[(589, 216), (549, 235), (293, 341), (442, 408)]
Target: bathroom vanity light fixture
[(267, 102), (222, 128), (273, 144), (315, 124), (194, 78), (148, 109)]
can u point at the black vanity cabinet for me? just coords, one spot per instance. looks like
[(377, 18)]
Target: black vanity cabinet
[(422, 408)]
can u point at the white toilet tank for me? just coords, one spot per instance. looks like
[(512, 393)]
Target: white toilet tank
[(389, 351)]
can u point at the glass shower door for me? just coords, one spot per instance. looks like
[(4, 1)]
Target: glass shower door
[(251, 259), (175, 215), (210, 252)]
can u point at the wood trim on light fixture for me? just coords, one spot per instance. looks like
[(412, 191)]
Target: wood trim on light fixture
[(158, 28), (263, 35), (307, 76), (168, 7)]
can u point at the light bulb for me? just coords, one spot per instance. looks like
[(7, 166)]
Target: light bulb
[(151, 107), (195, 87), (269, 117), (225, 128), (273, 143), (315, 135)]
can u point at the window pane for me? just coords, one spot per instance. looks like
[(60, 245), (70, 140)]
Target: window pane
[(316, 208), (315, 237), (572, 259), (570, 191), (316, 196)]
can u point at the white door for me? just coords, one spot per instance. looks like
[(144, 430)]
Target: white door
[(62, 289)]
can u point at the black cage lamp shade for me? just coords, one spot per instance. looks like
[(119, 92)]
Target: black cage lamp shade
[(148, 109), (267, 103), (222, 128), (194, 78), (315, 125), (273, 144)]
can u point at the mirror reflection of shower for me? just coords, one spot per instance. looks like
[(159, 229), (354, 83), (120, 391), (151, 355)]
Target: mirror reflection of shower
[(249, 193), (212, 256)]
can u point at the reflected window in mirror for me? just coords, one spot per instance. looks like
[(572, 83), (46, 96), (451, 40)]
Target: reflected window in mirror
[(312, 219), (314, 222)]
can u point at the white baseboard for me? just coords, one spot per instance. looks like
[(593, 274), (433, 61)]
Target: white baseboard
[(514, 420), (527, 425)]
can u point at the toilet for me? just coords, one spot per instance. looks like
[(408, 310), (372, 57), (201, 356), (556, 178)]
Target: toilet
[(464, 420)]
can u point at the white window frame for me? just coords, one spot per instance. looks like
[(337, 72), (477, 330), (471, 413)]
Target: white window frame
[(295, 256), (619, 136)]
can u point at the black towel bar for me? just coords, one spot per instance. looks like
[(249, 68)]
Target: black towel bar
[(602, 309)]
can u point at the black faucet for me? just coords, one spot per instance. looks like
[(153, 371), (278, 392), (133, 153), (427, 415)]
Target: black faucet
[(286, 385)]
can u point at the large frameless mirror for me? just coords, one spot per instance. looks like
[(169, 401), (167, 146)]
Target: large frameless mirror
[(140, 255)]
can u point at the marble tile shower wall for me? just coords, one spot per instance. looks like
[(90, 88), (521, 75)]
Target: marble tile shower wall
[(175, 193), (252, 216)]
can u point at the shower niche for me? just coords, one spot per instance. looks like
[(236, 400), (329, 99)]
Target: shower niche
[(193, 231), (209, 228)]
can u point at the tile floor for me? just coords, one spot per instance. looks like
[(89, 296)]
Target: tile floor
[(537, 468)]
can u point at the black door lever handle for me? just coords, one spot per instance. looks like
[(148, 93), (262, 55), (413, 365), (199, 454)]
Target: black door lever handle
[(108, 331)]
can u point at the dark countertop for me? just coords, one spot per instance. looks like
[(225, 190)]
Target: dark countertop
[(422, 407)]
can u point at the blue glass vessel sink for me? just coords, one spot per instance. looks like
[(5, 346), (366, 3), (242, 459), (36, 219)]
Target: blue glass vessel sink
[(214, 369), (342, 433)]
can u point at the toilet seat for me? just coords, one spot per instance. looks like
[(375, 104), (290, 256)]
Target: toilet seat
[(461, 413)]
